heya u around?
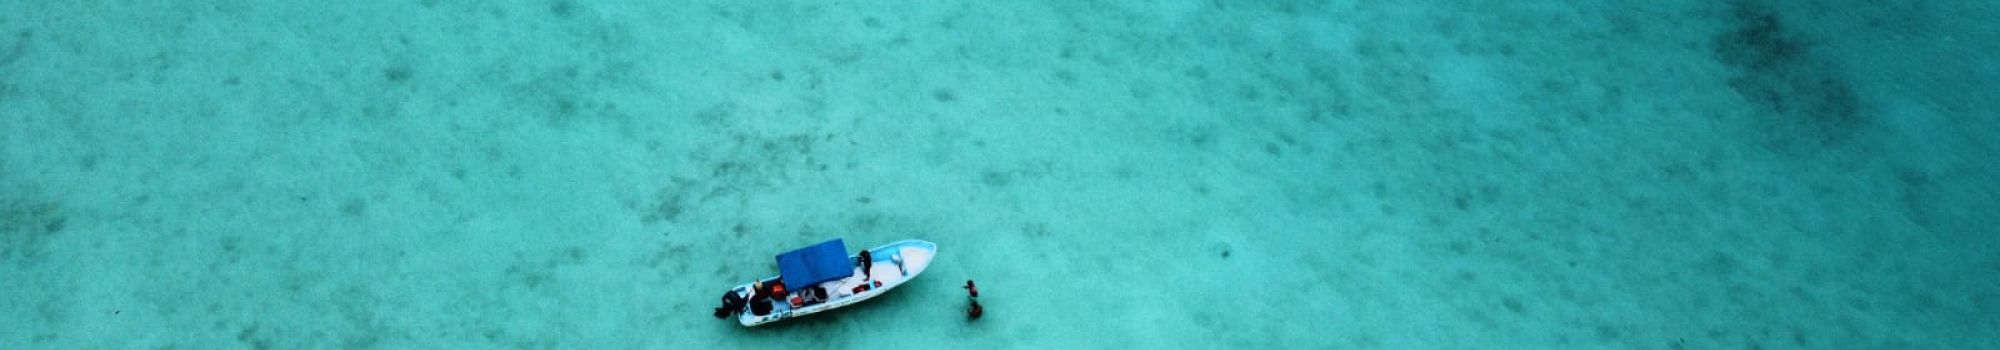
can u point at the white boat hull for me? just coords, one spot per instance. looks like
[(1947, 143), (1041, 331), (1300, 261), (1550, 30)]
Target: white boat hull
[(894, 263)]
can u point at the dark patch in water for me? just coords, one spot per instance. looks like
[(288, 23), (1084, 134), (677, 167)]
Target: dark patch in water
[(1805, 105), (1035, 229), (562, 9), (1799, 337), (354, 207), (249, 335), (1759, 42), (866, 223), (1459, 247), (18, 49), (396, 74), (89, 162), (1196, 72), (54, 310), (1606, 333), (1124, 173), (1719, 263), (55, 225), (671, 202), (996, 179), (25, 226), (669, 209), (232, 248), (532, 278)]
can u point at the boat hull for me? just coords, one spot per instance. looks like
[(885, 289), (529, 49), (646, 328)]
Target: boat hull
[(894, 264)]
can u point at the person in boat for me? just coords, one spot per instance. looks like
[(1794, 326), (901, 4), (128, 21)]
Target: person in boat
[(760, 299), (761, 296), (867, 263)]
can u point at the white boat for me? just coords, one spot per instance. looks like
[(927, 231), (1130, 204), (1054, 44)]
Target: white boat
[(828, 282)]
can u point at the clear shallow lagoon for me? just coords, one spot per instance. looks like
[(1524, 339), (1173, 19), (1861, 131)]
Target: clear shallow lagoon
[(1157, 174)]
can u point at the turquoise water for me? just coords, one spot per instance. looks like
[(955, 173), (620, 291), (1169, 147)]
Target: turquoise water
[(1157, 174)]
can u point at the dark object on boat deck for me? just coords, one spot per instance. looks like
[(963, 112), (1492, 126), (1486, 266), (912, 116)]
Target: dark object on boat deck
[(972, 288), (973, 313), (867, 287), (731, 304), (761, 308), (812, 296)]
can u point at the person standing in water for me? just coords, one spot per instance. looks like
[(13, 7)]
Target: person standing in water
[(974, 311)]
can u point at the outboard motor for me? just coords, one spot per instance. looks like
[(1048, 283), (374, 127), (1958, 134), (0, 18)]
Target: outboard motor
[(731, 305)]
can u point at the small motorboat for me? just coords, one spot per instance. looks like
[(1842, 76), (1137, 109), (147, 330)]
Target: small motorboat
[(824, 277)]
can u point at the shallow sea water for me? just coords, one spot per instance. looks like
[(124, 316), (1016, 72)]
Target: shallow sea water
[(1137, 174)]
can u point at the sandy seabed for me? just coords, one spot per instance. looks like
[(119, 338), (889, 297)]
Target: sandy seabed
[(1156, 174)]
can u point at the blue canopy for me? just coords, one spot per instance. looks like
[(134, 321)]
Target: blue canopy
[(812, 265)]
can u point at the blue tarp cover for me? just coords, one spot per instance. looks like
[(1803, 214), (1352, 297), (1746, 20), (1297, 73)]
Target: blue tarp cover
[(811, 265)]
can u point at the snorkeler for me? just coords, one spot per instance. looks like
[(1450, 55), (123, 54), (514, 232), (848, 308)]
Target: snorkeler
[(975, 311)]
